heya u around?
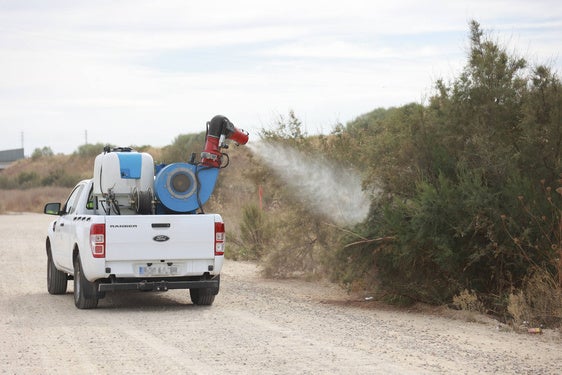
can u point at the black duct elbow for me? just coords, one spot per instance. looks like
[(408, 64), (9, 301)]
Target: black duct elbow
[(216, 126)]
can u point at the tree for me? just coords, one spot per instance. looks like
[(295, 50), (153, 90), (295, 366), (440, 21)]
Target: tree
[(89, 150), (288, 129), (469, 183), (41, 152)]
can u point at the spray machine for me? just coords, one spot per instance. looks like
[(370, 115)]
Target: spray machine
[(128, 182)]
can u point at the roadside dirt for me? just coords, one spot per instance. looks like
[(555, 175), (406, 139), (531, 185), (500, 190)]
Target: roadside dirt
[(256, 326)]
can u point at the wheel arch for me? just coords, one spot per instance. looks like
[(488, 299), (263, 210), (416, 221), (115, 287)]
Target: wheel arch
[(48, 246), (75, 252)]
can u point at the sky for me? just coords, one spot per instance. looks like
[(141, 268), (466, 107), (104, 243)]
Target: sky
[(140, 72)]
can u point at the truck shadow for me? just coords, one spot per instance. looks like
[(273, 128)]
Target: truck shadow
[(147, 301), (127, 301)]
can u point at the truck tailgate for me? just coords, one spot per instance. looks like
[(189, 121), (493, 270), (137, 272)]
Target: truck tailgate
[(160, 237)]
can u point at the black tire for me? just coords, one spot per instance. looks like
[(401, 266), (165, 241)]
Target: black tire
[(204, 296), (56, 280), (85, 292), (201, 297)]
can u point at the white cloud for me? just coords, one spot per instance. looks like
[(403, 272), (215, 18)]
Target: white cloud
[(143, 71)]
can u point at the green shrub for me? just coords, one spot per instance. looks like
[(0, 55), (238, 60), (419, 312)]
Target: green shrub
[(470, 184), (90, 150), (59, 177), (41, 152), (182, 148), (255, 233), (27, 179)]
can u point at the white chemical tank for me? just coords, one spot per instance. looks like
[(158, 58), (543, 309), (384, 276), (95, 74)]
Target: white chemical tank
[(123, 173)]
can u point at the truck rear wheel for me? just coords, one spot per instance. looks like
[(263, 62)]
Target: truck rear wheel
[(204, 296), (56, 280), (85, 292)]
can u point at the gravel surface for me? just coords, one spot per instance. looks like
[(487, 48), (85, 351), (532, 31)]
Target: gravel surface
[(255, 326)]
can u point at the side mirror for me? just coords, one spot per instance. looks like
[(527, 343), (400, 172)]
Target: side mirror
[(52, 209)]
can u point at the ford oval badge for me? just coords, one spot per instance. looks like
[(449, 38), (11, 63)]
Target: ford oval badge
[(161, 238)]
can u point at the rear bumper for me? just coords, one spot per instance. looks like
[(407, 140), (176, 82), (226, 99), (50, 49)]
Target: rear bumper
[(159, 285)]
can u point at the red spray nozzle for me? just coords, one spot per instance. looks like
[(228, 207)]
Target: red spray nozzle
[(239, 136), (218, 130)]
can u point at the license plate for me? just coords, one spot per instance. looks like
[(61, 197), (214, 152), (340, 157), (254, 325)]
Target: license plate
[(157, 270)]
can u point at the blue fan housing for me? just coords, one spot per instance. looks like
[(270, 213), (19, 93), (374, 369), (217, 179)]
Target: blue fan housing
[(183, 187)]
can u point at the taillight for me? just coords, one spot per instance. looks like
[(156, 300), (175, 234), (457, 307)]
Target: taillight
[(219, 238), (97, 240)]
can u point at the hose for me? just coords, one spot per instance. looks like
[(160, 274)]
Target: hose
[(199, 168)]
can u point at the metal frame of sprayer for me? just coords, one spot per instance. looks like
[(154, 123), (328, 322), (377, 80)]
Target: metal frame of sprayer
[(122, 175)]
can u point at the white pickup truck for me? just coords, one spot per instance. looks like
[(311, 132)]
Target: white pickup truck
[(137, 226), (103, 253)]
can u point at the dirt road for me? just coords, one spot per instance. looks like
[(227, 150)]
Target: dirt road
[(254, 327)]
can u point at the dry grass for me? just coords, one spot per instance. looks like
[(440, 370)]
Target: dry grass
[(72, 164), (68, 170), (539, 303), (31, 200), (468, 305), (468, 301)]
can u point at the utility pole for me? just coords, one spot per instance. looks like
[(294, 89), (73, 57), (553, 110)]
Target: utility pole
[(86, 137), (22, 140)]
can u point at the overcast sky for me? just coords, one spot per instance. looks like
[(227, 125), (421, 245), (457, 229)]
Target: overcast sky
[(139, 72)]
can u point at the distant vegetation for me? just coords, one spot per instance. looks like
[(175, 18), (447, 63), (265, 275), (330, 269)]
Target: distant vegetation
[(471, 207)]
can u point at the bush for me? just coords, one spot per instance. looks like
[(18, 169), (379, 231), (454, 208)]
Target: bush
[(90, 150), (41, 152), (468, 301), (471, 185), (286, 240), (256, 233), (27, 179), (60, 177), (538, 303), (298, 247), (182, 148)]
